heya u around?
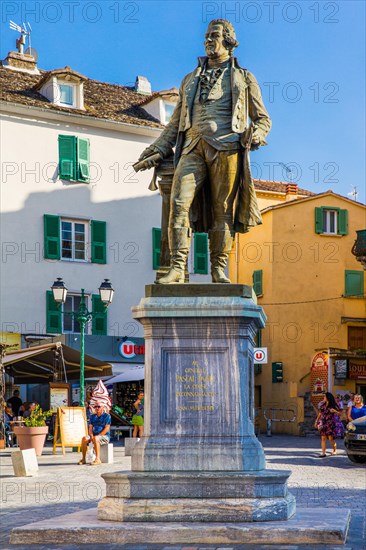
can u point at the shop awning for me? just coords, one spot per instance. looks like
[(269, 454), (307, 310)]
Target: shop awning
[(43, 364), (130, 373)]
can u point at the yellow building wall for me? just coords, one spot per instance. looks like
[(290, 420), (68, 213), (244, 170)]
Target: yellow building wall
[(303, 287), (269, 199)]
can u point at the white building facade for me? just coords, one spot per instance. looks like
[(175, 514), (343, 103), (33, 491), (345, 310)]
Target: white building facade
[(72, 205)]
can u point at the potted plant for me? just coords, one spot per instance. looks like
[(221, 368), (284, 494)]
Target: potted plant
[(33, 434)]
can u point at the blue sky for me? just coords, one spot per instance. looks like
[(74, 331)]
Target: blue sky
[(308, 56)]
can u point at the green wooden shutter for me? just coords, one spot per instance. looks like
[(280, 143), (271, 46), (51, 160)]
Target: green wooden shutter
[(354, 283), (258, 338), (53, 314), (342, 222), (51, 225), (201, 253), (319, 220), (67, 157), (258, 282), (99, 322), (98, 242), (156, 247), (83, 148)]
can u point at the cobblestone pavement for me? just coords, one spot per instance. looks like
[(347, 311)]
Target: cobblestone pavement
[(64, 487)]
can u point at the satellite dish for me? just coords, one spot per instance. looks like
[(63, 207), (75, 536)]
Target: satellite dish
[(32, 51)]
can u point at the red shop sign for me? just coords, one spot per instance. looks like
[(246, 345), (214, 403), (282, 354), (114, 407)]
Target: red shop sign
[(318, 378), (357, 370)]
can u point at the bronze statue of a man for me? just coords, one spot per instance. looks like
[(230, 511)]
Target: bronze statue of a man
[(212, 136)]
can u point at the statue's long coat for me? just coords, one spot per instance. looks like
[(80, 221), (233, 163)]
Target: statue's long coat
[(246, 104)]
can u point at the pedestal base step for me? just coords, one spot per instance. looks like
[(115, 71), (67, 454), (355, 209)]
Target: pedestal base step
[(239, 485), (308, 526), (230, 510), (218, 497)]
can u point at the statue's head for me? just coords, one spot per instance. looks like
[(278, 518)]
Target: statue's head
[(220, 38)]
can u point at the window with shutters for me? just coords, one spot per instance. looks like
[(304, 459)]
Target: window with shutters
[(98, 242), (74, 158), (258, 282), (356, 338), (60, 320), (156, 247), (258, 338), (331, 221), (72, 304), (354, 283), (51, 237), (99, 321), (74, 240), (53, 314)]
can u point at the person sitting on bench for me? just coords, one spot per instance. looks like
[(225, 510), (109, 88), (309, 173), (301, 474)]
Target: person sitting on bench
[(99, 433)]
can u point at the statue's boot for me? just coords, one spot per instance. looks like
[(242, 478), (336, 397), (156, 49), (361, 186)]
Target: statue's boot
[(220, 246), (179, 242)]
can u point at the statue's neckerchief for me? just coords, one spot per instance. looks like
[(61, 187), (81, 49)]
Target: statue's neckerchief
[(208, 78)]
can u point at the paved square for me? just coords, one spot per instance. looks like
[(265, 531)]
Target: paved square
[(63, 487)]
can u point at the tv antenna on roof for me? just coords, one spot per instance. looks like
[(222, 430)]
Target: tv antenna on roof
[(288, 170), (30, 50), (353, 193), (24, 33)]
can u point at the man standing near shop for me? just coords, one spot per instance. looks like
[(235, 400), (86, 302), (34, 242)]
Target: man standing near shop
[(212, 138), (15, 402)]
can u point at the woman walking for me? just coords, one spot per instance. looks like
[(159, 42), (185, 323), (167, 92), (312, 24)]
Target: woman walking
[(327, 422), (138, 417)]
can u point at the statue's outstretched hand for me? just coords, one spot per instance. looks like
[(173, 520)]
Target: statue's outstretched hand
[(149, 158), (148, 152)]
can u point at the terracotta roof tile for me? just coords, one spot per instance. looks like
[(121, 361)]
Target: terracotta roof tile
[(278, 186), (101, 100)]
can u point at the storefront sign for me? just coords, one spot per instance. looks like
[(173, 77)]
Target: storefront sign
[(129, 349), (70, 427), (260, 355), (357, 370), (318, 377), (340, 368), (59, 395)]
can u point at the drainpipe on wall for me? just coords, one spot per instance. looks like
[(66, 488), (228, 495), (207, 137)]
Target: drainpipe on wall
[(330, 372)]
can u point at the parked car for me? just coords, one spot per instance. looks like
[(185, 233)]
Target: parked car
[(355, 440)]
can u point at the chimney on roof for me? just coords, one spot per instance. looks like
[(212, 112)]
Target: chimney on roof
[(291, 191), (142, 85), (22, 62)]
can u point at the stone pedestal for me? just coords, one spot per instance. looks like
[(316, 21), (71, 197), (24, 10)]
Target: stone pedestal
[(199, 472), (199, 459), (199, 382)]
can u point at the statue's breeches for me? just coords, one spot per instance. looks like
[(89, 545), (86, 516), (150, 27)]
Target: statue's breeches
[(205, 165)]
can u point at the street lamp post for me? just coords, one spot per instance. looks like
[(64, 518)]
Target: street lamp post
[(83, 316)]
